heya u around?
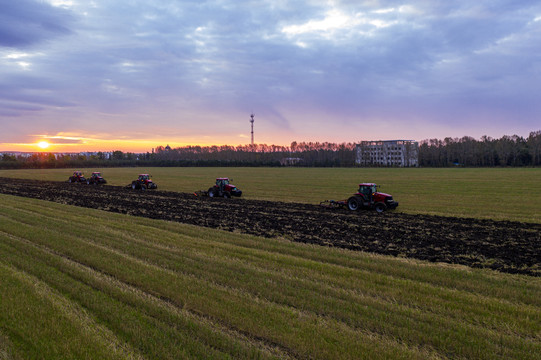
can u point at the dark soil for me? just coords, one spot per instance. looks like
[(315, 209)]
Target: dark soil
[(505, 246)]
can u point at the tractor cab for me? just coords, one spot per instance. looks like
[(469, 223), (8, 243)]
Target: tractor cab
[(144, 177), (78, 173), (222, 182), (96, 175), (367, 190)]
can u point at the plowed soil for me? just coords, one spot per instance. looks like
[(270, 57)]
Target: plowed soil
[(504, 246)]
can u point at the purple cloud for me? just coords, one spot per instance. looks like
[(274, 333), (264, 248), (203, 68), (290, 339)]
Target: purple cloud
[(26, 22), (183, 71)]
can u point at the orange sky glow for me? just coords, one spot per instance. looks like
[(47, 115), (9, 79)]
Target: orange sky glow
[(75, 144), (139, 146)]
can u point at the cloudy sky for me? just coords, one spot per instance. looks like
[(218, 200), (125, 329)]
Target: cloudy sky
[(135, 74)]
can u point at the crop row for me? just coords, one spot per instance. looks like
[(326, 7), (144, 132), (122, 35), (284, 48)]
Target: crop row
[(155, 289)]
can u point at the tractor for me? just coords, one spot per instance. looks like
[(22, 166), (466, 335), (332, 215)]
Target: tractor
[(143, 182), (223, 188), (96, 179), (367, 197), (77, 177)]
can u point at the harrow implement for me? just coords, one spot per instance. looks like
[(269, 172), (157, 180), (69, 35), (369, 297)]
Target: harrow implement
[(333, 204)]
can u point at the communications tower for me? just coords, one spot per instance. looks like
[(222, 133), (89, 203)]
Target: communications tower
[(252, 122)]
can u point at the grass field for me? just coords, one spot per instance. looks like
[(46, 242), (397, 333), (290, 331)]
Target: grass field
[(495, 193), (87, 284)]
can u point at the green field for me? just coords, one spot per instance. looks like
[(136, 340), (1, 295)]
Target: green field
[(495, 193), (87, 284)]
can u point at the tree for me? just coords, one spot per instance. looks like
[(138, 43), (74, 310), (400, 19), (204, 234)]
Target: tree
[(117, 155)]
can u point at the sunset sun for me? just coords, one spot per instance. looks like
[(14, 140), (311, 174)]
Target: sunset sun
[(43, 144)]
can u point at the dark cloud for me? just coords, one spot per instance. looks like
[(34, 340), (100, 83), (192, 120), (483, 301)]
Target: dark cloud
[(28, 22)]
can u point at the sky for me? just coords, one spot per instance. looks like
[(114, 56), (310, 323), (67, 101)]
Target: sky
[(131, 75)]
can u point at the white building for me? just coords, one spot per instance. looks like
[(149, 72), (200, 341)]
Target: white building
[(290, 161), (400, 153)]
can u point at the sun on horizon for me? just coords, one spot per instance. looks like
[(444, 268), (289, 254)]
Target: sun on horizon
[(43, 144)]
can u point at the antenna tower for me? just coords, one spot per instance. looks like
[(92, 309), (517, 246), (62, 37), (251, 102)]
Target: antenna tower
[(252, 121)]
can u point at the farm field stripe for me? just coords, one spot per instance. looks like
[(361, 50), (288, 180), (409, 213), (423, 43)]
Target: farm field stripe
[(187, 244), (430, 295), (69, 311), (350, 340), (375, 263), (225, 293), (410, 317), (89, 288), (523, 344), (287, 249), (141, 301)]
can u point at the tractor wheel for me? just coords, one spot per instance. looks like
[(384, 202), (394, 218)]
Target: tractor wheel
[(354, 203), (70, 180), (134, 185), (380, 207), (143, 187), (227, 194), (212, 192), (88, 182)]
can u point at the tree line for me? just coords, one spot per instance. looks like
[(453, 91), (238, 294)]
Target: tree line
[(466, 151), (301, 154), (485, 152)]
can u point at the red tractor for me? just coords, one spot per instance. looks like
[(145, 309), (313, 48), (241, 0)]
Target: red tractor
[(143, 182), (367, 197), (96, 179), (224, 188), (77, 177)]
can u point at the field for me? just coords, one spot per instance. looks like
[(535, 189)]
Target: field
[(80, 282), (83, 283), (504, 246), (498, 194)]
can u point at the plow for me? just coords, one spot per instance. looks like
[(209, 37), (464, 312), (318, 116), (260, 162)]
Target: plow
[(201, 193), (333, 204)]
